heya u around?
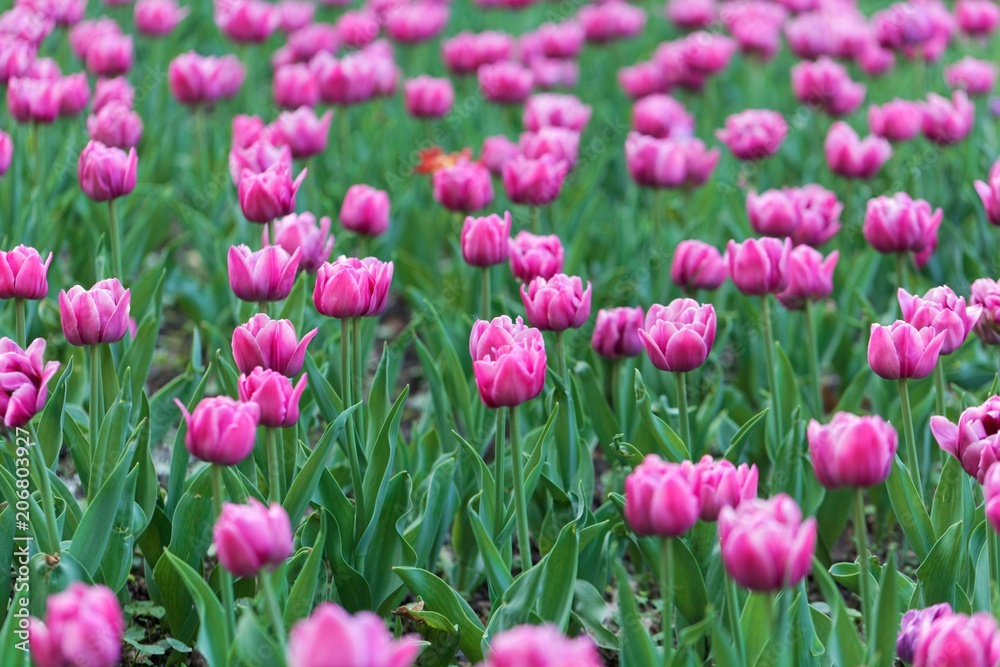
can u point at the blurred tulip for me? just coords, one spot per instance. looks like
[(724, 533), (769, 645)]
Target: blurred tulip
[(827, 85), (853, 157), (986, 293), (359, 639), (662, 116), (508, 360), (265, 275), (221, 430), (73, 92), (117, 89), (819, 215), (977, 18), (485, 240), (465, 186), (350, 80), (23, 274), (552, 73), (948, 122), (110, 56), (466, 52), (722, 484), (692, 14), (957, 640), (901, 351), (299, 232), (303, 132), (976, 77), (246, 21), (196, 79), (852, 451), (295, 86), (6, 152), (668, 163), (913, 623), (87, 33), (557, 303), (156, 18), (943, 310), (901, 224), (33, 100), (24, 379), (269, 194), (496, 151), (365, 210), (810, 277), (260, 156), (350, 287), (505, 82), (679, 336), (555, 110), (766, 546), (358, 28), (759, 266), (641, 79), (989, 192), (427, 97), (540, 646), (991, 493), (306, 42), (249, 538), (556, 143), (417, 22), (533, 256), (295, 14), (755, 25), (875, 61), (534, 182), (897, 120), (274, 394), (16, 57), (773, 212), (115, 125), (611, 21), (616, 332), (754, 134), (661, 498), (561, 40), (83, 626), (697, 265), (96, 316)]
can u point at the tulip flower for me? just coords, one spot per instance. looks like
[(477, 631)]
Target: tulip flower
[(294, 15), (25, 376), (110, 55), (352, 287), (977, 18), (221, 430), (505, 82), (947, 122), (853, 157), (96, 316), (274, 394), (754, 134), (773, 212), (957, 640), (117, 89), (365, 210), (496, 151), (300, 232), (259, 156), (6, 152), (198, 80), (540, 646), (246, 21), (991, 493), (295, 86), (358, 28), (722, 484), (83, 626), (808, 215), (913, 623), (156, 18), (976, 77), (262, 276), (23, 274), (668, 163), (561, 40), (759, 266), (986, 293), (897, 120), (115, 125), (944, 311), (464, 187), (974, 440), (756, 27), (484, 240), (810, 277), (766, 546), (826, 84), (989, 193), (466, 52), (417, 22), (427, 97), (697, 265), (533, 256), (899, 224), (33, 100), (902, 351), (269, 194), (557, 303), (85, 34), (106, 173), (555, 110), (852, 451), (536, 182), (557, 143), (252, 537), (611, 21), (73, 92), (662, 116), (359, 639), (692, 14), (269, 344), (616, 332), (643, 78)]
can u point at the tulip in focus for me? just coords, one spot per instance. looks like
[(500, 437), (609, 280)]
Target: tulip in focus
[(252, 537), (697, 265), (766, 546), (427, 97), (269, 344), (722, 484), (896, 120), (991, 492), (274, 394), (540, 646), (557, 303), (301, 233), (661, 498), (679, 336), (508, 360), (616, 332), (23, 274), (810, 277), (25, 377), (362, 639), (83, 627), (853, 157), (350, 287), (485, 240), (957, 640), (852, 451), (974, 440), (901, 351), (221, 430), (533, 256), (759, 266), (464, 186), (265, 275), (269, 194), (96, 316), (943, 310), (913, 623)]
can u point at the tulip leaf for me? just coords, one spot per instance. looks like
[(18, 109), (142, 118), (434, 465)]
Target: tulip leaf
[(938, 574), (668, 442), (14, 648), (50, 424), (909, 510), (441, 598), (253, 646), (300, 598), (304, 485), (736, 445), (638, 649), (946, 508), (327, 399), (497, 568), (352, 589), (428, 533), (602, 418), (555, 600), (138, 358), (213, 635), (386, 531), (439, 395), (380, 465), (112, 437), (441, 634), (885, 626)]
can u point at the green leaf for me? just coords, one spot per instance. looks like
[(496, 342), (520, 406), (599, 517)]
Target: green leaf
[(946, 509), (604, 421), (139, 357), (300, 599), (559, 578), (442, 635), (307, 479), (497, 569), (909, 510), (50, 424), (637, 646), (386, 531), (843, 646), (887, 615), (380, 465), (939, 573), (213, 634), (327, 399), (352, 589), (736, 446), (668, 442), (440, 597), (179, 457)]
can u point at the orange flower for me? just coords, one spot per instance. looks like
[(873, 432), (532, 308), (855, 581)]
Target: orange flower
[(434, 158)]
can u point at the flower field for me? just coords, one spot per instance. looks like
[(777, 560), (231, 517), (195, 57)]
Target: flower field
[(507, 333)]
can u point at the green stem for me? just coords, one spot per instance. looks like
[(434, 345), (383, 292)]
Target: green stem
[(225, 577), (270, 232), (772, 371), (667, 593), (533, 214), (940, 389), (274, 491), (486, 294), (352, 446), (115, 241), (812, 343), (520, 502), (95, 413), (45, 491), (911, 442), (499, 509), (359, 374), (570, 459), (861, 536), (901, 270), (993, 552), (682, 410), (22, 338), (733, 612), (273, 610)]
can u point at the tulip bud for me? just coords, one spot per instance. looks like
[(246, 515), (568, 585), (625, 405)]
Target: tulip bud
[(616, 332), (766, 546), (24, 379), (485, 240), (540, 646), (697, 265), (986, 294), (220, 430), (678, 337), (23, 275), (508, 360), (251, 537), (265, 275), (557, 303), (901, 351), (759, 266), (270, 194), (975, 440), (661, 498), (359, 639), (533, 256), (106, 173), (465, 186), (83, 626), (810, 277), (274, 394), (721, 484), (270, 344), (852, 451), (96, 316), (365, 210), (351, 287), (301, 233)]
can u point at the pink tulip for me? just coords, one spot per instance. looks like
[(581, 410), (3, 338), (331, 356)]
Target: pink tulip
[(957, 640), (759, 266), (810, 277), (697, 265), (561, 40), (365, 210), (540, 646), (721, 484), (83, 626), (975, 440), (465, 186), (991, 492), (976, 77), (556, 143), (827, 85), (24, 379), (427, 97), (508, 360), (95, 316), (87, 33), (496, 151), (901, 351), (316, 38), (875, 61), (350, 80), (663, 117), (552, 73), (754, 134), (555, 110), (773, 212), (948, 122), (901, 224), (221, 430), (265, 275), (6, 152), (852, 451), (359, 639), (252, 537), (944, 311), (260, 156), (248, 130), (913, 624), (351, 287), (691, 59), (819, 215), (73, 92), (903, 24), (533, 256), (44, 68), (417, 22), (986, 294), (302, 131), (616, 332), (977, 18), (196, 79), (485, 240), (23, 274), (852, 157), (641, 79), (269, 194), (274, 394), (535, 182), (668, 163), (691, 14), (156, 18), (755, 25), (295, 86), (16, 57), (557, 303), (898, 120), (269, 344), (115, 125), (505, 82), (295, 15), (33, 100), (662, 498), (989, 192), (110, 56), (299, 232), (246, 21), (466, 52), (679, 336), (117, 89), (611, 21), (766, 546), (358, 28)]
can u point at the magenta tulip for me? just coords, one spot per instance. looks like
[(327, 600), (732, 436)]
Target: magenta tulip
[(6, 152), (365, 210), (678, 337), (23, 274), (533, 256), (427, 97), (662, 116), (611, 21), (110, 55), (913, 623), (295, 86), (555, 110), (508, 360), (156, 18), (105, 172), (826, 84), (496, 152), (536, 182), (24, 379), (901, 224), (850, 156), (722, 484), (989, 193), (540, 646), (115, 125), (986, 293), (897, 120), (246, 21), (485, 240), (661, 498), (991, 492), (96, 316), (269, 194), (505, 82), (465, 186), (220, 430), (947, 121), (943, 310), (273, 393), (975, 440), (270, 344), (977, 18), (901, 351), (357, 640), (697, 265), (852, 451), (759, 266), (249, 538), (957, 640), (33, 100), (83, 626), (754, 134), (265, 275), (810, 277), (976, 77), (557, 303), (117, 89), (351, 287), (299, 232), (616, 332)]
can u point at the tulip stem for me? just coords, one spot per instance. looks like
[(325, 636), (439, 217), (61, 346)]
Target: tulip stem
[(533, 216), (940, 389), (682, 409), (273, 467), (812, 344), (911, 443), (45, 491), (499, 509), (115, 241), (901, 269), (359, 374), (352, 447), (486, 293), (861, 536), (994, 562), (22, 338), (570, 460), (225, 577), (94, 481), (520, 504), (667, 595), (733, 611), (772, 371), (273, 610), (270, 232)]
